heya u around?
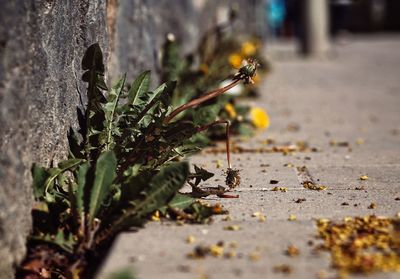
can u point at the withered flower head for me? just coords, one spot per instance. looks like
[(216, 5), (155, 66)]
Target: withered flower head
[(232, 178), (248, 70)]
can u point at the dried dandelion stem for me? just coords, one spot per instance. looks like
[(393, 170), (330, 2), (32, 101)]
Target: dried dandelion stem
[(212, 94), (227, 122)]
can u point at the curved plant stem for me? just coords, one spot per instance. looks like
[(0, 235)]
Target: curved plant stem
[(227, 122), (212, 94)]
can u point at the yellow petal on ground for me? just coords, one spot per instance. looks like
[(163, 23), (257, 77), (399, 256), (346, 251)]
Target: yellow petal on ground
[(292, 217), (259, 118), (230, 109), (235, 60), (248, 48), (190, 239), (216, 250)]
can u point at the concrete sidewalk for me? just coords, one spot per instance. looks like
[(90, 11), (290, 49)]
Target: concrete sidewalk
[(348, 108)]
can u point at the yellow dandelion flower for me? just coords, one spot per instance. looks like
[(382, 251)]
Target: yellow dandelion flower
[(230, 109), (259, 118), (248, 48), (235, 59)]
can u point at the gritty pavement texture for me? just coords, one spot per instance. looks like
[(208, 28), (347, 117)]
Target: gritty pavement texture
[(347, 106)]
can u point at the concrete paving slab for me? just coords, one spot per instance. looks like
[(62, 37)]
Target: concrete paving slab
[(354, 95)]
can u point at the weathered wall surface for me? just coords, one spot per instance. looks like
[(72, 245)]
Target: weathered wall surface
[(41, 46), (140, 27)]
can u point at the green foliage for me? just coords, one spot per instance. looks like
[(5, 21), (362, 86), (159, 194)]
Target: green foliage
[(205, 69), (159, 190), (121, 165), (103, 178)]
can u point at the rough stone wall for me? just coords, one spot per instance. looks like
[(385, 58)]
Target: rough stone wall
[(41, 46), (140, 28)]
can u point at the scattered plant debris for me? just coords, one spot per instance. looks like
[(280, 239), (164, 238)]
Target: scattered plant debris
[(284, 149), (201, 251), (260, 216), (283, 268), (292, 251), (281, 189), (312, 186), (372, 206), (362, 245)]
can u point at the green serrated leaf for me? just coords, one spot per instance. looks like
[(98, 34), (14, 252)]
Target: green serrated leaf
[(104, 176), (181, 201), (139, 87), (92, 62), (110, 108), (160, 189), (40, 175), (80, 191), (162, 186), (55, 172)]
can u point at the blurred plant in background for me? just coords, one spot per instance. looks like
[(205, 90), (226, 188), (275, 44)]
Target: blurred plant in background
[(218, 55)]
